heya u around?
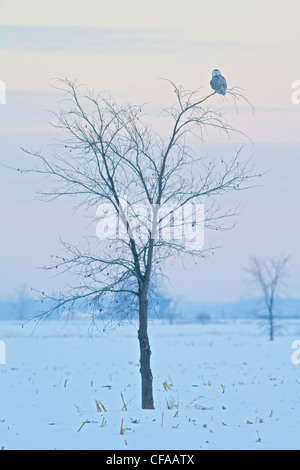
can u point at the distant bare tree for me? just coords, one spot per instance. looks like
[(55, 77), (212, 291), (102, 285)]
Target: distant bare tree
[(111, 156), (20, 301), (268, 275)]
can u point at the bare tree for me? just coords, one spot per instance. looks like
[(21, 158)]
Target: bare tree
[(111, 159), (21, 301), (268, 275)]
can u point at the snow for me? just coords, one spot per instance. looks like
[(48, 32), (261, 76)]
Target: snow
[(216, 386)]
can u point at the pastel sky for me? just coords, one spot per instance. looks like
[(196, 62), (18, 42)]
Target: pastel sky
[(125, 47)]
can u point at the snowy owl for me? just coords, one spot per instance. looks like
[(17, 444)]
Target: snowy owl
[(218, 82)]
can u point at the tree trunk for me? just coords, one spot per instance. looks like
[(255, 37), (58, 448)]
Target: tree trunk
[(270, 307), (145, 353), (271, 327)]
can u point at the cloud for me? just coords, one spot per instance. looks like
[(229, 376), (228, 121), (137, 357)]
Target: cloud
[(104, 40), (78, 38)]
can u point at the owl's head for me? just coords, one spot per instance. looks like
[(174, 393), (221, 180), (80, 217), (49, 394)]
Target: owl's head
[(216, 72)]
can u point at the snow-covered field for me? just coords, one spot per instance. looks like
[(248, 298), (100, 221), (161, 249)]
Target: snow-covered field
[(216, 386)]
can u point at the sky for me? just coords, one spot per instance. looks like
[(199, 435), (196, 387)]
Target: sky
[(124, 47)]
